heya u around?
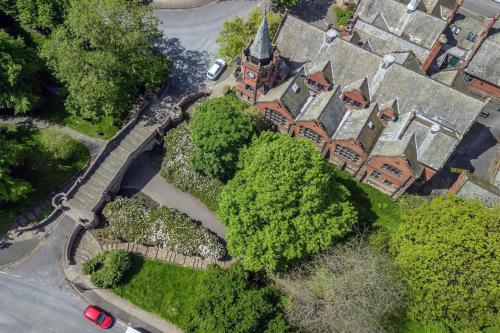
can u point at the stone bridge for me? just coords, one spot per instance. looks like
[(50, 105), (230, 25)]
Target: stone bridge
[(103, 177)]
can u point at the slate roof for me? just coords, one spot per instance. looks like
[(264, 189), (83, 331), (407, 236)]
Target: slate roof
[(419, 27), (479, 189), (261, 47), (354, 123), (405, 147), (360, 85), (485, 64), (294, 101), (467, 22), (328, 108), (384, 42)]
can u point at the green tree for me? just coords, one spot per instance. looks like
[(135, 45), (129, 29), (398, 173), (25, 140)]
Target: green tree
[(12, 152), (219, 129), (237, 33), (19, 68), (283, 204), (104, 55), (236, 301), (41, 14), (447, 250), (284, 4)]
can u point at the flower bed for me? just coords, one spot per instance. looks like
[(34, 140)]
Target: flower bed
[(130, 220), (176, 170)]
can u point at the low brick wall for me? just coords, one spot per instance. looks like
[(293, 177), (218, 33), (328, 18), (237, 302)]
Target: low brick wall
[(164, 255)]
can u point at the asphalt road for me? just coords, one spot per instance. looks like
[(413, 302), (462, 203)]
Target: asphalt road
[(31, 306), (487, 8), (189, 38)]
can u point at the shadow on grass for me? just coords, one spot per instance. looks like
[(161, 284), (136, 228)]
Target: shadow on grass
[(137, 264)]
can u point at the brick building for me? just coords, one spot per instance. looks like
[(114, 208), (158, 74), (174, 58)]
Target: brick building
[(373, 115)]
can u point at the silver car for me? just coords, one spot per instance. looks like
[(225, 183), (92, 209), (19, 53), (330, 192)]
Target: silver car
[(216, 69)]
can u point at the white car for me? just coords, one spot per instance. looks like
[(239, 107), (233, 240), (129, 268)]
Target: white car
[(216, 69)]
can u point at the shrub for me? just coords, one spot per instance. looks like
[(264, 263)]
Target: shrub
[(108, 268), (131, 221), (127, 220), (176, 170), (178, 232), (342, 15), (61, 146), (238, 301)]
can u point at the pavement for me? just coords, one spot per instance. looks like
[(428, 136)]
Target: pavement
[(190, 39), (180, 4), (144, 176)]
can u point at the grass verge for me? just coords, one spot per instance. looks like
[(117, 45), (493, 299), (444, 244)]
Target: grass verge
[(45, 169), (167, 290)]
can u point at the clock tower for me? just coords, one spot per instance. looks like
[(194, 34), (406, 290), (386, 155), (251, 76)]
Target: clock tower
[(260, 64)]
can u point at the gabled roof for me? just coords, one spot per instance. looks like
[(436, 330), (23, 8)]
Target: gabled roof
[(361, 86), (404, 147), (323, 75), (384, 42), (327, 108), (354, 123), (394, 105), (419, 27), (380, 22), (261, 47)]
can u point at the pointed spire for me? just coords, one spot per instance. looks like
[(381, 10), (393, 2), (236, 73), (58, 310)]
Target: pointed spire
[(261, 48)]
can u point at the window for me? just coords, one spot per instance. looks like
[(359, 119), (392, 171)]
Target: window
[(249, 88), (310, 134), (375, 174), (346, 153), (315, 85), (395, 171), (275, 117), (353, 103), (386, 182)]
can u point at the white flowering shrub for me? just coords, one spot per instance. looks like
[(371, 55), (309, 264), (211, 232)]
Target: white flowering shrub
[(176, 169), (130, 220)]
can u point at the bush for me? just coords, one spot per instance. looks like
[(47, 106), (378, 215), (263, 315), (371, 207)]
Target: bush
[(238, 301), (342, 15), (176, 170), (130, 220), (108, 268), (61, 146)]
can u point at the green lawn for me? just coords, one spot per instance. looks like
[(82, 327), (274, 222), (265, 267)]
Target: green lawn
[(375, 208), (55, 112), (164, 289), (44, 171)]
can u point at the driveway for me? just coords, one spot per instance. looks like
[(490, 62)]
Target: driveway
[(189, 38)]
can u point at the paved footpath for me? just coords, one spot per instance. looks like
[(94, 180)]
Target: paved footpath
[(180, 4)]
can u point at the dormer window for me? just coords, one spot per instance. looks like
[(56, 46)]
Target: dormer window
[(391, 169), (310, 134), (355, 104), (315, 85)]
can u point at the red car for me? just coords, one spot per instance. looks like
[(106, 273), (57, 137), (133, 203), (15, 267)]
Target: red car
[(98, 316)]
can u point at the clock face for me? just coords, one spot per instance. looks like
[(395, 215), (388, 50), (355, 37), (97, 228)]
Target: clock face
[(250, 74)]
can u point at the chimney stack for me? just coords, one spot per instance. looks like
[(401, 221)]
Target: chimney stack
[(455, 9), (387, 61)]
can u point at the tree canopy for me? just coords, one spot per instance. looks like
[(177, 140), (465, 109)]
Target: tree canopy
[(37, 14), (351, 288), (283, 204), (447, 250), (236, 301), (219, 129), (237, 33), (12, 152), (19, 68), (104, 54), (284, 4)]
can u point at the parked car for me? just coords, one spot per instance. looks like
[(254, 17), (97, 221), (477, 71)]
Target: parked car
[(216, 69), (98, 316)]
